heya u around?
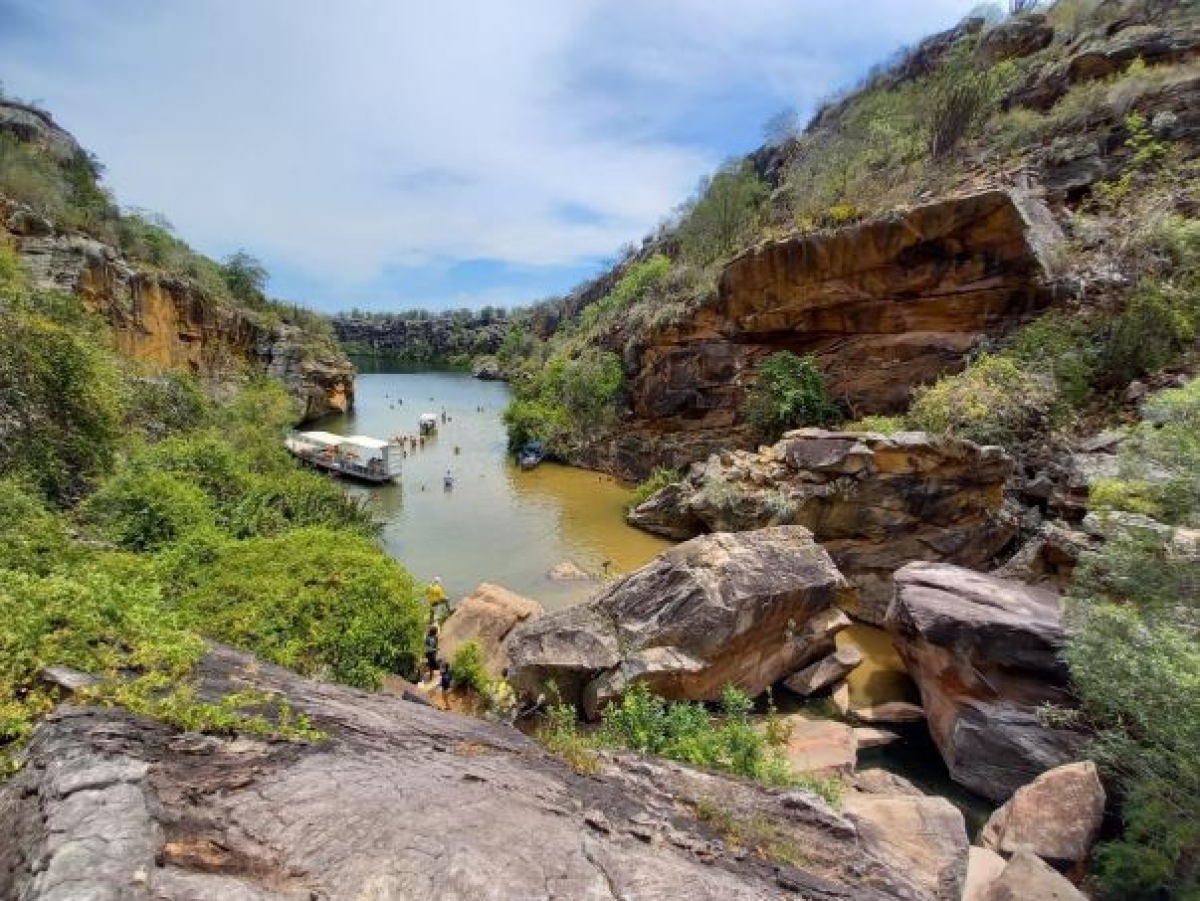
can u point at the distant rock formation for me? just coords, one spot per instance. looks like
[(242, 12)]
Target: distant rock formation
[(432, 339)]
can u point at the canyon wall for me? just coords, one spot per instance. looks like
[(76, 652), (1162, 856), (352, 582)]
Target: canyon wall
[(428, 340), (883, 305), (170, 322)]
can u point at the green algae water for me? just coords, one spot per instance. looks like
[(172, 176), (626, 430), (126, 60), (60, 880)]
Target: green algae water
[(498, 524)]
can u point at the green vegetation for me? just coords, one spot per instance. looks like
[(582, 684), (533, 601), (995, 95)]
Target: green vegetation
[(687, 732), (660, 478), (1135, 661), (993, 401), (754, 834), (565, 401), (789, 391), (725, 214), (138, 517), (467, 668)]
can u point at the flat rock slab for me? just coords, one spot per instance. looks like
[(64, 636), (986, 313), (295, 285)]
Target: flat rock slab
[(890, 712), (824, 672), (400, 801), (820, 746), (1027, 877)]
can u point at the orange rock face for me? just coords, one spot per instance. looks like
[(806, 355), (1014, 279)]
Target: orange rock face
[(884, 306)]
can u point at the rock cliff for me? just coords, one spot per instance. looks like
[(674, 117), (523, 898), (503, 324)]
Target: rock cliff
[(406, 801), (171, 322), (883, 305), (874, 502)]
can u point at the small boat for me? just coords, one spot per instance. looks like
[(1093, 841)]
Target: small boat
[(357, 456), (428, 423), (531, 455)]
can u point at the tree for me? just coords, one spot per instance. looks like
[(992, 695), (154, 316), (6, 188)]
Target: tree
[(725, 213), (782, 127), (245, 276)]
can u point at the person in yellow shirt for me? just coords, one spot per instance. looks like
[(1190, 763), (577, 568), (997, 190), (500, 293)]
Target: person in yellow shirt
[(439, 604)]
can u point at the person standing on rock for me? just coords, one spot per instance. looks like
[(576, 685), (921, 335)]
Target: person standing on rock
[(435, 595), (431, 649)]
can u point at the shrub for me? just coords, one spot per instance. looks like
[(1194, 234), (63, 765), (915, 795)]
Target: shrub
[(884, 425), (60, 397), (467, 668), (993, 401), (316, 600), (1063, 347), (565, 400), (687, 732), (1155, 328), (144, 511), (789, 391), (162, 405), (33, 539), (660, 478)]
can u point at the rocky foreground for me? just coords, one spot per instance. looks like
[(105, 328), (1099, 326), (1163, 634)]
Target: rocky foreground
[(406, 801)]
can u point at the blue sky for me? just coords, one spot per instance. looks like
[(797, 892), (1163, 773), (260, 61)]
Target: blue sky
[(386, 155)]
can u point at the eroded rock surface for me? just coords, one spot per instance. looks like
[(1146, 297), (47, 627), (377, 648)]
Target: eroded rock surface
[(716, 610), (401, 801), (986, 654), (875, 502)]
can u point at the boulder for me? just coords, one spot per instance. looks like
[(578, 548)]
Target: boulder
[(870, 737), (890, 712), (873, 501), (487, 369), (985, 653), (1057, 816), (567, 571), (983, 868), (717, 610), (921, 835), (487, 616), (824, 672), (820, 746), (840, 696), (1027, 877), (400, 801)]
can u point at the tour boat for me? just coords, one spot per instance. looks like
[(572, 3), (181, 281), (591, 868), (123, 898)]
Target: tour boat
[(356, 456), (428, 423)]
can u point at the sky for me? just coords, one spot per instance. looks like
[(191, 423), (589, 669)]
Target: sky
[(391, 154)]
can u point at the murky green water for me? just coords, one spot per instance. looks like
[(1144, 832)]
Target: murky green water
[(498, 524)]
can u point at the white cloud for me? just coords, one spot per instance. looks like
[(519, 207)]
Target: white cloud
[(339, 140)]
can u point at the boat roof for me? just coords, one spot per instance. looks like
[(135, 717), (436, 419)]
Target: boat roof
[(365, 441), (321, 437), (427, 417)]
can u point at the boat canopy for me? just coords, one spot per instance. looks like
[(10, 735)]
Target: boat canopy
[(326, 438), (365, 441), (430, 418)]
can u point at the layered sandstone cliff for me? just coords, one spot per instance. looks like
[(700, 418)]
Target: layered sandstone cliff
[(883, 305)]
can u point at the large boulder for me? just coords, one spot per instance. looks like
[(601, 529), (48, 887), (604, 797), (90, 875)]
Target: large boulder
[(486, 617), (874, 501), (825, 672), (922, 835), (716, 610), (1026, 877), (983, 868), (1057, 816), (403, 801), (820, 745), (986, 654)]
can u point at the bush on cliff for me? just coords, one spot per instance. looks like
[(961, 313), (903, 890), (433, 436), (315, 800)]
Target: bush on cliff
[(725, 214), (565, 401), (789, 391), (995, 400)]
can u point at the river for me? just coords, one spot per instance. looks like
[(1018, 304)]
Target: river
[(498, 524)]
